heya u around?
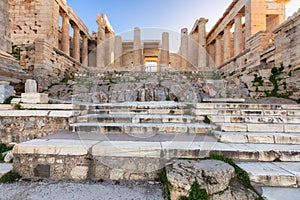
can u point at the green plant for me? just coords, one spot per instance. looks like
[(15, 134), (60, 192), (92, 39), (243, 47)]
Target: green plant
[(10, 177), (196, 193), (164, 179), (168, 98), (258, 79), (290, 74), (232, 73), (176, 99), (18, 106), (206, 120), (8, 100), (3, 148)]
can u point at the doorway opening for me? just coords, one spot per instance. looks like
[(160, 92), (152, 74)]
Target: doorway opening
[(151, 64)]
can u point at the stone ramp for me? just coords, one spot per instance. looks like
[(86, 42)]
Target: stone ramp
[(275, 193)]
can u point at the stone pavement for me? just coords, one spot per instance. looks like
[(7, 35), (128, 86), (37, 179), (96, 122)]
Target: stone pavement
[(4, 168)]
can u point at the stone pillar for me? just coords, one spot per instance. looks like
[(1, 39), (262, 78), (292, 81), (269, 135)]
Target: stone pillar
[(219, 49), (85, 56), (238, 34), (184, 48), (227, 42), (137, 47), (255, 19), (30, 86), (165, 55), (118, 51), (100, 42), (76, 43), (65, 39), (202, 54), (111, 49)]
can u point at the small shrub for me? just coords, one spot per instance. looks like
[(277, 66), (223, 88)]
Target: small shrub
[(18, 106), (176, 99), (168, 98), (232, 73), (164, 179), (206, 120), (290, 74), (8, 100), (10, 177)]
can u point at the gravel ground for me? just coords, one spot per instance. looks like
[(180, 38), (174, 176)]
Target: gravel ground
[(85, 191)]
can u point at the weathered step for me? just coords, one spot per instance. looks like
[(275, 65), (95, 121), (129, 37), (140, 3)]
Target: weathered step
[(249, 106), (274, 174), (133, 105), (280, 193), (130, 111), (256, 119), (141, 128), (246, 112), (137, 118), (262, 138), (273, 128)]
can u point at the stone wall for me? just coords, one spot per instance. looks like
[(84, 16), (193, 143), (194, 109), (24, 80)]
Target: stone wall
[(264, 52), (23, 125)]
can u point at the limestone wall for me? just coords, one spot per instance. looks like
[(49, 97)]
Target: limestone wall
[(265, 51), (23, 125)]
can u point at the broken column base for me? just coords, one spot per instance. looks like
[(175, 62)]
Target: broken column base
[(33, 98)]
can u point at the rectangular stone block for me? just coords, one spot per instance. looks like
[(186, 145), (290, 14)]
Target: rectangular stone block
[(230, 127), (292, 128), (275, 128), (33, 98)]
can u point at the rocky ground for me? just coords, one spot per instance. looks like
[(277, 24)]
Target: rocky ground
[(70, 190)]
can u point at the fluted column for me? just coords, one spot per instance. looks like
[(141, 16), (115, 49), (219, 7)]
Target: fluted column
[(85, 56), (118, 51), (137, 47), (202, 55), (65, 39), (219, 55), (164, 57), (76, 43), (227, 40), (238, 34), (184, 48)]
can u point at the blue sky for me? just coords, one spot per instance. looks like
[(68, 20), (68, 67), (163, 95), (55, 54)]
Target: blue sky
[(172, 15)]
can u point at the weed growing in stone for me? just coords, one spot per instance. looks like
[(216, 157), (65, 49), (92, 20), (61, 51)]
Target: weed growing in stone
[(10, 177), (196, 193)]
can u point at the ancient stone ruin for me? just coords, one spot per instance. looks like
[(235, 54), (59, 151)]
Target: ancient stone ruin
[(90, 107)]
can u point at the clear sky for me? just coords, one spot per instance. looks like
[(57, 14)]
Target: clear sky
[(172, 15)]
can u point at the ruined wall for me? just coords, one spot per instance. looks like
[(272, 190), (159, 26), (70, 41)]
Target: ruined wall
[(4, 27), (24, 128), (52, 65), (31, 19), (270, 64)]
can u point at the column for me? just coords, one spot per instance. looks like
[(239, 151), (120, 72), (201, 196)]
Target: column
[(255, 19), (238, 34), (85, 56), (111, 48), (65, 39), (184, 48), (227, 41), (164, 57), (100, 42), (76, 43), (202, 54), (137, 47), (219, 55), (118, 51)]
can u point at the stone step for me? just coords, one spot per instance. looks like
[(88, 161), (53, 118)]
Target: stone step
[(246, 112), (137, 118), (271, 193), (5, 168), (133, 105), (142, 128), (256, 119), (273, 174), (271, 128), (261, 138), (246, 106), (159, 111)]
